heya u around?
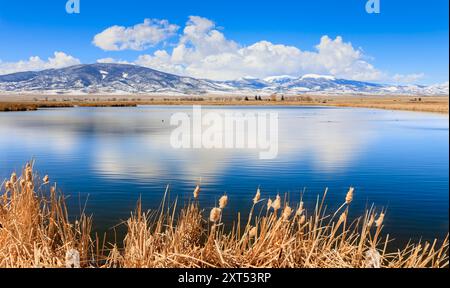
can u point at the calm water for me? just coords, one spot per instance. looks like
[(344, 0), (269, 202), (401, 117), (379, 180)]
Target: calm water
[(112, 156)]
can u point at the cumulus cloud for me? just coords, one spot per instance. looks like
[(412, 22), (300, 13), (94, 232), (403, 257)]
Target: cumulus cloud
[(34, 63), (201, 50), (204, 52), (139, 37)]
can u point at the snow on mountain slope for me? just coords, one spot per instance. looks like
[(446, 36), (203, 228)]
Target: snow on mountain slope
[(279, 79), (315, 76), (102, 78)]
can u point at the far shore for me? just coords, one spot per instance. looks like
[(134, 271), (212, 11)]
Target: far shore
[(434, 104)]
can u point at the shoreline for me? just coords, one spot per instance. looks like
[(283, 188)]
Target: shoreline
[(433, 104)]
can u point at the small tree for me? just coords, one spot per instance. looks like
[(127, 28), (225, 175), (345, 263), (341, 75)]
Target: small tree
[(246, 98)]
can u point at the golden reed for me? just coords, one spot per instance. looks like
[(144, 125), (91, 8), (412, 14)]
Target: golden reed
[(35, 231)]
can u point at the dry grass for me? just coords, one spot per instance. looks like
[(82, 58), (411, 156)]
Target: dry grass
[(35, 232), (435, 104), (26, 106)]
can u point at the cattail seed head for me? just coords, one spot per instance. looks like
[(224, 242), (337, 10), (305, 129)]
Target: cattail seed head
[(302, 220), (343, 216), (215, 214), (300, 209), (371, 221), (72, 259), (257, 196), (349, 196), (22, 183), (276, 205), (269, 204), (196, 191), (29, 174), (8, 185), (380, 220), (223, 201), (253, 232), (286, 213), (372, 259), (13, 178)]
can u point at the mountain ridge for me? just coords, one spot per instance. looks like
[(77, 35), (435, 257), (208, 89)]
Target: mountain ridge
[(109, 78)]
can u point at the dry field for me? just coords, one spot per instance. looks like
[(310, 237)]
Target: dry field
[(438, 104), (35, 231)]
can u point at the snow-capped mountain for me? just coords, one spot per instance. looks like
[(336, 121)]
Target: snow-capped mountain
[(103, 78)]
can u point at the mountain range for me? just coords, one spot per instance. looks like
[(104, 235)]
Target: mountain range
[(105, 78)]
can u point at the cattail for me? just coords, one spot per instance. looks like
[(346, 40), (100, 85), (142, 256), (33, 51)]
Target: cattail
[(343, 217), (196, 191), (215, 214), (72, 259), (371, 220), (349, 197), (380, 220), (286, 213), (8, 185), (46, 179), (372, 259), (276, 205), (13, 178), (269, 204), (223, 201), (300, 209), (257, 196), (253, 232), (22, 183), (29, 174), (302, 220)]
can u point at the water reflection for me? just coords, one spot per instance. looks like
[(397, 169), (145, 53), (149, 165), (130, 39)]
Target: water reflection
[(115, 155)]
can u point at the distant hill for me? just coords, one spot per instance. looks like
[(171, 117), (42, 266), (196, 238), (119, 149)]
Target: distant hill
[(103, 78)]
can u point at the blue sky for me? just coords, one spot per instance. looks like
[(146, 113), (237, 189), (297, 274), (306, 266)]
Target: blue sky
[(407, 42)]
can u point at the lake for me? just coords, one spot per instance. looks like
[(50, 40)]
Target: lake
[(110, 157)]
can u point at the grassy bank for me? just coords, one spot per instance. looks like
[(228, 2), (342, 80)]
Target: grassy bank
[(16, 107), (424, 104), (35, 231)]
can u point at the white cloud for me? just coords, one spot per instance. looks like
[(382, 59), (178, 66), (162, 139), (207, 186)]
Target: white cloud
[(160, 61), (204, 52), (409, 78), (112, 60), (139, 37), (34, 63)]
